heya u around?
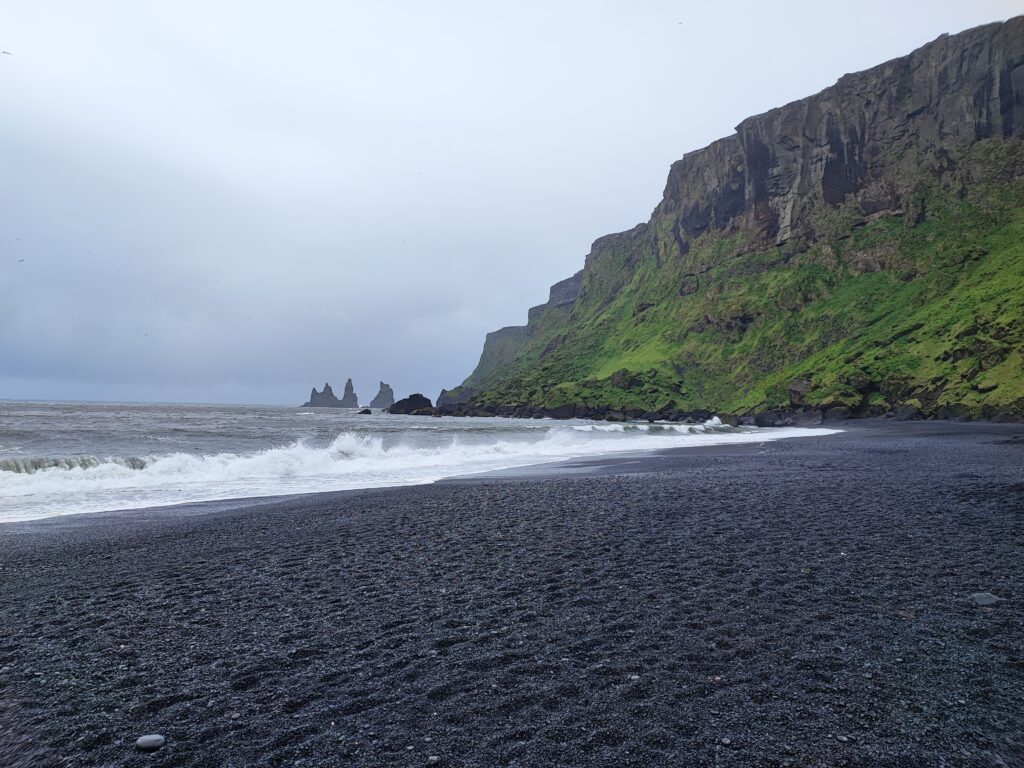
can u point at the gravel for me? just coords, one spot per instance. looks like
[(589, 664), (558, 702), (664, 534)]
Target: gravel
[(790, 595)]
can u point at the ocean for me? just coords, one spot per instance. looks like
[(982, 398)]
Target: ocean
[(69, 458)]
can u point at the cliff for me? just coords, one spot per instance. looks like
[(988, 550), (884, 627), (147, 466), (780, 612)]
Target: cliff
[(864, 240)]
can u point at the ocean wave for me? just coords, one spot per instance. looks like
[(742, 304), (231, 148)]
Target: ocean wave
[(31, 488), (31, 466)]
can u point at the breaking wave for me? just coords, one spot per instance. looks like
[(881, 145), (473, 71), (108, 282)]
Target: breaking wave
[(30, 466), (42, 487)]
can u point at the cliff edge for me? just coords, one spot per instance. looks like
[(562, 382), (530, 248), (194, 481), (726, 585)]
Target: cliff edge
[(857, 250)]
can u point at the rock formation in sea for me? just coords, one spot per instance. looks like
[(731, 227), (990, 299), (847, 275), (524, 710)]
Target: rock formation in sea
[(349, 399), (414, 405), (327, 398), (856, 252), (385, 397), (324, 399)]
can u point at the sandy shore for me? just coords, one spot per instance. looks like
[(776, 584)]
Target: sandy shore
[(800, 603)]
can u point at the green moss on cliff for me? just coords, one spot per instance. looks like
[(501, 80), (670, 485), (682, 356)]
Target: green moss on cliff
[(876, 314)]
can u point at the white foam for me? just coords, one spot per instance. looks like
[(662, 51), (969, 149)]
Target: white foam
[(351, 460)]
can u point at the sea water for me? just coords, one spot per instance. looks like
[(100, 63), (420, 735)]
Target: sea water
[(68, 458)]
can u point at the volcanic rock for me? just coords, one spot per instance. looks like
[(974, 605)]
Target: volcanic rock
[(412, 405), (325, 399), (385, 397), (349, 399), (150, 742)]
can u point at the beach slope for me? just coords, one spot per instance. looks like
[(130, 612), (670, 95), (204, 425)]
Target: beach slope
[(803, 602)]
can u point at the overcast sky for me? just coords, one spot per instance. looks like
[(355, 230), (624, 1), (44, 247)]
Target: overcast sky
[(234, 201)]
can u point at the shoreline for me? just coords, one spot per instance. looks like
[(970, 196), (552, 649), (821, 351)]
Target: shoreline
[(807, 600), (593, 465), (213, 506)]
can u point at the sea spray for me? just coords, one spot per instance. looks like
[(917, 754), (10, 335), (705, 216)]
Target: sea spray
[(324, 453)]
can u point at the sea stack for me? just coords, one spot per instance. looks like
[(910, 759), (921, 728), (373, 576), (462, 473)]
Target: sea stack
[(325, 399), (349, 399), (385, 397)]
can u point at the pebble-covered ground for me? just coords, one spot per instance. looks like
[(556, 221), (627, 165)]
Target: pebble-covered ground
[(798, 603)]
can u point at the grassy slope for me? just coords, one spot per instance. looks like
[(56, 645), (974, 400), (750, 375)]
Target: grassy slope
[(875, 315)]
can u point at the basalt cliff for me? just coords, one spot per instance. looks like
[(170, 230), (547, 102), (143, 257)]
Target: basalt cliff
[(857, 252)]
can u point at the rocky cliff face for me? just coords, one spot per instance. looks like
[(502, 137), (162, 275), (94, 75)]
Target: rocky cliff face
[(798, 186), (870, 137), (385, 397)]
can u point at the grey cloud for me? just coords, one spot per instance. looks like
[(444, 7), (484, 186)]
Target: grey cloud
[(234, 201)]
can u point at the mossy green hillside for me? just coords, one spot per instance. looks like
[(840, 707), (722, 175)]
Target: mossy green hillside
[(875, 313)]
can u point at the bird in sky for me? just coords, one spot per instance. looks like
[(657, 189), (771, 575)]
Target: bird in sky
[(6, 53)]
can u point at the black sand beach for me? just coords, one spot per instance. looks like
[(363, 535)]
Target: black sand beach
[(798, 603)]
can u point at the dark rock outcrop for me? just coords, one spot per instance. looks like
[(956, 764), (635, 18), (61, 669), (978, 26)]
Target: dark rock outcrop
[(349, 399), (869, 136), (413, 405), (385, 397), (325, 399), (798, 390)]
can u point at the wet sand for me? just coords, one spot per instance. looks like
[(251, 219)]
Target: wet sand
[(802, 602)]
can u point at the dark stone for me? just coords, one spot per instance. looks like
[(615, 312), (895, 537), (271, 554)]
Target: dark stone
[(775, 418), (798, 389), (808, 418), (455, 398), (150, 742), (567, 411), (729, 419), (984, 599), (837, 413), (953, 412), (385, 397), (325, 399), (349, 399), (415, 402), (365, 412), (907, 413), (615, 416)]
